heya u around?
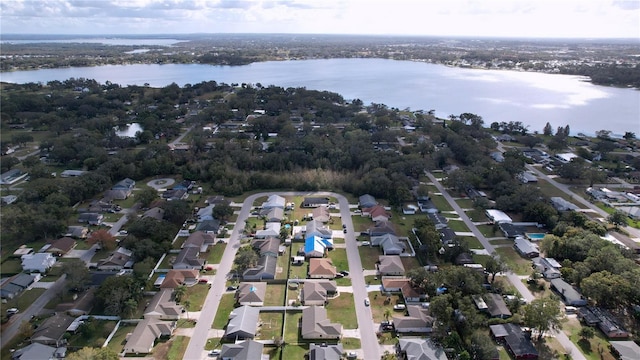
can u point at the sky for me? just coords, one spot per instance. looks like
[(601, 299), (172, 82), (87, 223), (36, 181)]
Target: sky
[(475, 18)]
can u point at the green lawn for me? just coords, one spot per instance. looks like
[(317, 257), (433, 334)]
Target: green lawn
[(11, 267), (177, 347), (465, 203), (361, 223), (339, 259), (292, 327), (293, 352), (25, 299), (340, 310), (477, 215), (225, 307), (196, 295), (487, 230), (351, 343), (441, 203), (588, 347), (275, 295), (379, 305), (481, 259), (119, 339), (472, 242), (298, 271), (458, 225), (271, 325), (282, 266), (95, 338), (369, 256), (410, 263), (514, 261)]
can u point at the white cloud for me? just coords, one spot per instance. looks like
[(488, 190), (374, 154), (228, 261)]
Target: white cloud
[(510, 18)]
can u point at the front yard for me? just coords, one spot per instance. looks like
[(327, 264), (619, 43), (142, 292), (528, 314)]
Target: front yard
[(226, 306), (340, 310)]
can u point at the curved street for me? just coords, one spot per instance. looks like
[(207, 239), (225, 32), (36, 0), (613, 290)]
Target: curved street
[(369, 342)]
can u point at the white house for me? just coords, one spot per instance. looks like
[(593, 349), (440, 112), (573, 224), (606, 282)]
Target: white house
[(38, 262)]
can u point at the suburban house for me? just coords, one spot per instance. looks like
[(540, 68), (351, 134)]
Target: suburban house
[(144, 336), (317, 228), (211, 227), (118, 260), (313, 202), (38, 351), (412, 294), (274, 214), (420, 349), (8, 199), (200, 240), (316, 292), (394, 284), (321, 268), (526, 248), (61, 246), (625, 350), (126, 185), (497, 156), (447, 236), (389, 243), (214, 200), (568, 293), (265, 270), (426, 205), (517, 342), (37, 262), (175, 194), (179, 277), (417, 322), (162, 307), (116, 194), (390, 265), (274, 201), (15, 285), (316, 247), (377, 213), (527, 177), (464, 259), (154, 213), (496, 306), (609, 326), (381, 229), (367, 201), (51, 331), (12, 176), (189, 258), (91, 218), (251, 293), (243, 350), (438, 220), (548, 267), (243, 323), (205, 213), (316, 325), (77, 232), (321, 214), (325, 351), (268, 246), (72, 173), (561, 204), (271, 229), (497, 216)]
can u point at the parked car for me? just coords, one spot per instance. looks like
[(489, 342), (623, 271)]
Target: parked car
[(232, 288), (214, 352), (12, 311), (344, 273), (367, 302), (366, 243), (399, 307)]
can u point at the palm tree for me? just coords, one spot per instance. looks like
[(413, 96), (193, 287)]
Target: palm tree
[(179, 292), (387, 313), (187, 305)]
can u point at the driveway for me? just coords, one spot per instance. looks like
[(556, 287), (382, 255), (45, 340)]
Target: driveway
[(370, 348)]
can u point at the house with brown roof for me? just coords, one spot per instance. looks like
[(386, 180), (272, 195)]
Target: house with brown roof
[(412, 294), (390, 265), (178, 277), (144, 336), (316, 325), (61, 246), (200, 240), (251, 293), (418, 321), (163, 307), (321, 214), (377, 213), (117, 260), (321, 268), (316, 292), (394, 284)]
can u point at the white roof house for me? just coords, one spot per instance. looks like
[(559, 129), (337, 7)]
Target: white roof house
[(498, 216), (38, 262), (566, 157)]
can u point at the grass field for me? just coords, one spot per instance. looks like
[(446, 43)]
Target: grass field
[(588, 347), (339, 259), (379, 305), (225, 307), (458, 225), (292, 327), (298, 271), (441, 203), (465, 203), (215, 253), (472, 242), (369, 256), (24, 300), (119, 339), (514, 261), (351, 343), (275, 295), (196, 295), (177, 347), (410, 263), (271, 325), (340, 310), (96, 338)]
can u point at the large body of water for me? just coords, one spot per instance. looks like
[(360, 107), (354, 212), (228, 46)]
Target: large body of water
[(532, 98)]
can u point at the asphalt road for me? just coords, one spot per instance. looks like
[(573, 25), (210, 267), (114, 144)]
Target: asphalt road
[(515, 280), (15, 321), (371, 349)]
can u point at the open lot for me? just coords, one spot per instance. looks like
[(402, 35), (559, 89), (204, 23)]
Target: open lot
[(339, 259), (271, 325), (225, 307), (514, 261), (340, 310), (275, 295)]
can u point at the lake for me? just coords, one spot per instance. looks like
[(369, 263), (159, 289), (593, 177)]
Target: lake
[(496, 95)]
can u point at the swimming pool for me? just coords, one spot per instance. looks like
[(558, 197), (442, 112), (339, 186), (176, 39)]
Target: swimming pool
[(535, 236)]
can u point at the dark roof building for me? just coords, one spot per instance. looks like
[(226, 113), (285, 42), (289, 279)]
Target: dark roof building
[(568, 293), (244, 350), (516, 341)]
